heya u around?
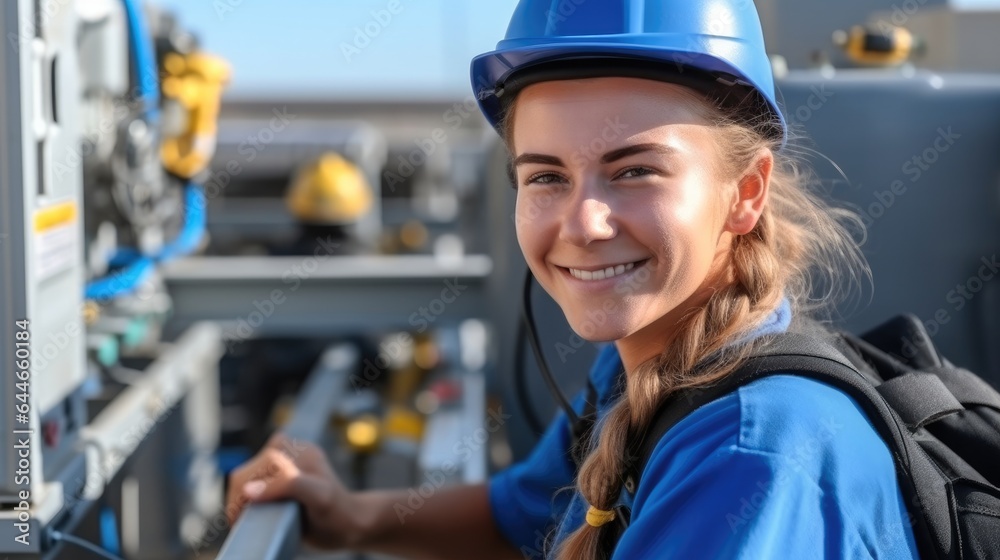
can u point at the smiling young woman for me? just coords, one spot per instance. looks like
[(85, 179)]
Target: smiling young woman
[(659, 204), (719, 236), (682, 235), (659, 201)]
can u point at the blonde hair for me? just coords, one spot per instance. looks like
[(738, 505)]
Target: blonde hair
[(801, 248)]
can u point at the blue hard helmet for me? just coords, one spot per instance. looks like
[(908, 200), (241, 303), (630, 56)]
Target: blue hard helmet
[(713, 46)]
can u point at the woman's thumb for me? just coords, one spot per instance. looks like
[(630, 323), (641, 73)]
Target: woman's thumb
[(254, 490), (300, 489)]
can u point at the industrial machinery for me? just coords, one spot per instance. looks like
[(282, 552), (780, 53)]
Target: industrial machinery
[(119, 428), (99, 190)]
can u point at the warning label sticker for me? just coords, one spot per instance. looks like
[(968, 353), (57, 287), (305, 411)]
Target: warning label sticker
[(55, 240)]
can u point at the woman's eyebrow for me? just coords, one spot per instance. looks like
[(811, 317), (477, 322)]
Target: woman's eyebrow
[(609, 157), (537, 158), (617, 154)]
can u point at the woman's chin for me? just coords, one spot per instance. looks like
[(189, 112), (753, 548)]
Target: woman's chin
[(591, 332)]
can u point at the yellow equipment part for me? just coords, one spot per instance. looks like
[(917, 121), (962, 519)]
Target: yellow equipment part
[(403, 423), (887, 47), (91, 312), (330, 190), (195, 81), (282, 411), (363, 434)]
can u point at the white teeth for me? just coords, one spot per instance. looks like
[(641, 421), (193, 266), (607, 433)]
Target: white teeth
[(609, 272)]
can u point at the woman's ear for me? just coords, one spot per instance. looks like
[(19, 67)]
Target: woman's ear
[(751, 194)]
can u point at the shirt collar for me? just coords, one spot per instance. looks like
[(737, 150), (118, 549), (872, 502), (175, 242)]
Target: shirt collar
[(608, 369)]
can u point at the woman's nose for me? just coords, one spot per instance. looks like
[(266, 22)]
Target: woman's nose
[(587, 219)]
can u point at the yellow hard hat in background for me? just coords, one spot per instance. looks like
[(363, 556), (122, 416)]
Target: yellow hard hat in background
[(329, 190)]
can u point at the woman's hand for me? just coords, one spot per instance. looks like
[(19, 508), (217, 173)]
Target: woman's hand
[(299, 471), (455, 522)]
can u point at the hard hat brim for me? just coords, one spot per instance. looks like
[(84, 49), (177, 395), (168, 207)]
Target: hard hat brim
[(699, 64)]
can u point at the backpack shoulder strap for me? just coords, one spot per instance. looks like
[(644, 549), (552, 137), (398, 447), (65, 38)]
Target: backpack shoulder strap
[(789, 352), (812, 357)]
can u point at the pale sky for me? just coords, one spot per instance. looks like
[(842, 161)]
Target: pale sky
[(310, 48)]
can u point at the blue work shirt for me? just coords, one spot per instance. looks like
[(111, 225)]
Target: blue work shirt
[(784, 467)]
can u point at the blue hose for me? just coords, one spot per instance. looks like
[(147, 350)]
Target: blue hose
[(192, 231), (109, 531), (132, 267), (123, 281), (146, 71)]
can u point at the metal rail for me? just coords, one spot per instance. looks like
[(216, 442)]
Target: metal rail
[(273, 531), (113, 436)]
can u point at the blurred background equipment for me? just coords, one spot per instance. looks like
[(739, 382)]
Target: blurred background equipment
[(310, 229), (888, 46)]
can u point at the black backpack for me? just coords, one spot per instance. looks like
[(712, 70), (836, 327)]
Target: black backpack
[(941, 423)]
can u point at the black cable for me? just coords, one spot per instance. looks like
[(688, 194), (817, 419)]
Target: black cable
[(521, 383), (60, 536), (529, 322)]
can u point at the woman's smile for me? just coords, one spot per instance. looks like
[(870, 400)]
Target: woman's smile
[(601, 278)]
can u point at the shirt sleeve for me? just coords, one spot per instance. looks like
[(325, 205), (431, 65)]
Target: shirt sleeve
[(526, 498), (530, 497), (704, 494)]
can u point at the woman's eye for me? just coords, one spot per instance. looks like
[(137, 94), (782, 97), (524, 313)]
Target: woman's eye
[(543, 179), (635, 172)]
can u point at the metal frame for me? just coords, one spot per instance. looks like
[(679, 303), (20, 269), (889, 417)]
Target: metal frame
[(325, 295), (13, 287)]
